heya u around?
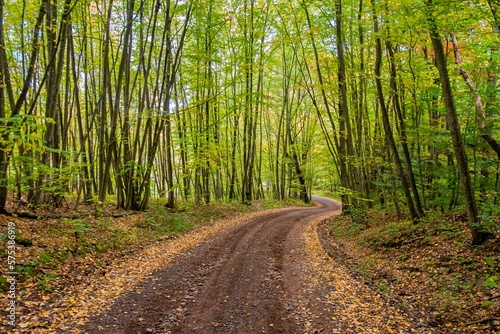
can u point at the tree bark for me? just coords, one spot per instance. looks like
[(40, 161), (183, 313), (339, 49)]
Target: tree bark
[(402, 131), (346, 148), (386, 122), (478, 236)]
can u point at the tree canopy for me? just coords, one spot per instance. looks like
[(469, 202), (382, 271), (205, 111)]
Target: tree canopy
[(390, 103)]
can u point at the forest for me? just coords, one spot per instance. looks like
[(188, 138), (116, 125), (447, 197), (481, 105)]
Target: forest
[(388, 103), (183, 112)]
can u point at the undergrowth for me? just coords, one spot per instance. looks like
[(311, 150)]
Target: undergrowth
[(430, 265)]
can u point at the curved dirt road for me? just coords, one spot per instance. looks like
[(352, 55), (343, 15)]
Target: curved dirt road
[(246, 280)]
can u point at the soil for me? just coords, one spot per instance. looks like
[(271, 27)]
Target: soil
[(260, 276)]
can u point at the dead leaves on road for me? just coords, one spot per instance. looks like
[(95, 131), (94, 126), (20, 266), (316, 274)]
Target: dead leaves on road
[(428, 268), (351, 306)]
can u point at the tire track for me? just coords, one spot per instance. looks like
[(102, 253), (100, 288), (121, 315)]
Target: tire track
[(241, 281)]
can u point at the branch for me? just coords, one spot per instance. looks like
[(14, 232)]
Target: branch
[(479, 321), (481, 117), (494, 297), (492, 142), (411, 240)]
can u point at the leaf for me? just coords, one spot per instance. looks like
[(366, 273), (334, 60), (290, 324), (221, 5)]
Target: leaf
[(491, 282), (50, 149), (487, 304), (34, 136)]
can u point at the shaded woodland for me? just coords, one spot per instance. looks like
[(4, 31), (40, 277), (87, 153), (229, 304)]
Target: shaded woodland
[(383, 103)]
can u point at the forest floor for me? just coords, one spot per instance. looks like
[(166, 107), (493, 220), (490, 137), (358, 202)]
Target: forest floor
[(69, 252), (429, 268), (258, 272)]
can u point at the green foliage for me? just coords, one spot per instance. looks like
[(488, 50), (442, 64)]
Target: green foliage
[(384, 288), (101, 247), (51, 257), (490, 262), (177, 224), (487, 304), (491, 282), (33, 175), (487, 223), (118, 238), (79, 227), (23, 131), (359, 215), (161, 221), (403, 257), (27, 269), (155, 213), (20, 239), (4, 285), (354, 229), (46, 257), (393, 234), (98, 210), (45, 281), (447, 298), (183, 206)]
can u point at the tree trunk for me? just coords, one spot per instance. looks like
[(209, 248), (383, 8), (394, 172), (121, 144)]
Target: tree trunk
[(478, 236), (402, 131), (346, 148), (481, 115), (386, 122)]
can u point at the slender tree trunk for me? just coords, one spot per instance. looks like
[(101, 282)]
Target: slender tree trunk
[(87, 182), (478, 236), (169, 158), (363, 144), (234, 143), (386, 122), (183, 151), (104, 164), (346, 148), (402, 131), (248, 119)]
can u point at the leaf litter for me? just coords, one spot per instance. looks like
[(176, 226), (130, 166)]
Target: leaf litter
[(89, 291), (347, 301), (429, 269), (333, 298)]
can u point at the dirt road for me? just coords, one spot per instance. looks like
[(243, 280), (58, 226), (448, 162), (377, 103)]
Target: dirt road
[(242, 281), (251, 279)]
